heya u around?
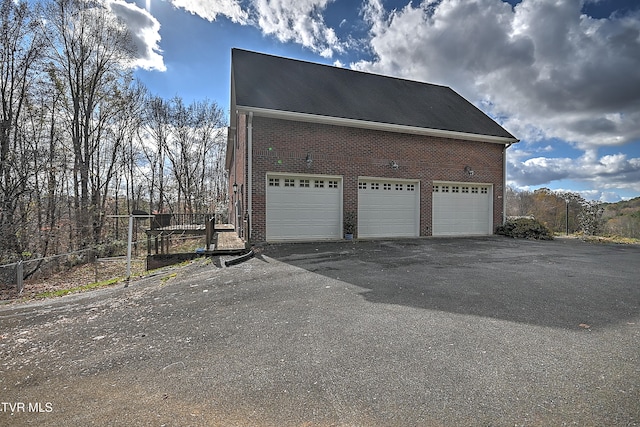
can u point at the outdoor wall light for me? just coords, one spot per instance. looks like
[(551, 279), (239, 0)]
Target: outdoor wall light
[(469, 171), (235, 188), (309, 160), (394, 165)]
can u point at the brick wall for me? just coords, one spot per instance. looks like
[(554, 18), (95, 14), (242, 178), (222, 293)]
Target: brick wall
[(237, 175), (282, 146)]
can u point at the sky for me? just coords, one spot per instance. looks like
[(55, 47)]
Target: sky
[(562, 76)]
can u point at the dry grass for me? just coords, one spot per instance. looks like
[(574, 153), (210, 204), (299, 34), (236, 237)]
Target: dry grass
[(611, 239), (104, 272)]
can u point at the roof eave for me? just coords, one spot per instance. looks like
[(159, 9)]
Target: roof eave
[(362, 124)]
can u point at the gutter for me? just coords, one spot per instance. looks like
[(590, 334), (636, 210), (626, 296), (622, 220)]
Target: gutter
[(363, 124), (250, 172), (504, 181)]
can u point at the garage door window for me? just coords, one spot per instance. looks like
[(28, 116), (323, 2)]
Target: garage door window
[(289, 182), (304, 183), (274, 182)]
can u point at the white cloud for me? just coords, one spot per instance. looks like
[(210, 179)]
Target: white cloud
[(551, 71), (145, 33), (605, 173), (298, 21), (210, 10), (543, 68)]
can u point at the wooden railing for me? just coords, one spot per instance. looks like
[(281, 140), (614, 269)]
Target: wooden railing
[(183, 221)]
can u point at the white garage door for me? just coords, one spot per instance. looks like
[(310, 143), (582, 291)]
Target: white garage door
[(301, 207), (388, 208), (462, 209)]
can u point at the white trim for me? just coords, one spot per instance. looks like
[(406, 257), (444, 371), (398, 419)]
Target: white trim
[(363, 124), (250, 172), (310, 175), (463, 183), (504, 183), (382, 179)]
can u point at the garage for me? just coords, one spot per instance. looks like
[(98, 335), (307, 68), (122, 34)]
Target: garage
[(388, 208), (303, 207), (462, 209)]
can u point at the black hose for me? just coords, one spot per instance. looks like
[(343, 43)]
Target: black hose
[(240, 259)]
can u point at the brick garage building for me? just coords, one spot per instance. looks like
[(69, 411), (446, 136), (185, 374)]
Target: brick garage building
[(313, 147)]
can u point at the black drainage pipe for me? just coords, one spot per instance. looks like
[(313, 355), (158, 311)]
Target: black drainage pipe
[(240, 259)]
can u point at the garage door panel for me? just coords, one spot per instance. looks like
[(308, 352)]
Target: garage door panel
[(303, 208), (461, 209), (388, 208)]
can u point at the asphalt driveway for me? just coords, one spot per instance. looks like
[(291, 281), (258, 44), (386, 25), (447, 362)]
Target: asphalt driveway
[(486, 331)]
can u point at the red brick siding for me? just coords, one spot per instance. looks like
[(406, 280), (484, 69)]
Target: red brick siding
[(282, 146), (237, 175)]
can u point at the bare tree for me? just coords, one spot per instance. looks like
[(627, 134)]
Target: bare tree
[(20, 50), (89, 48), (153, 141), (209, 133), (116, 148), (184, 155)]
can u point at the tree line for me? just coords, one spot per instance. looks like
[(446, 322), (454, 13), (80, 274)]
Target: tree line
[(82, 140), (566, 212)]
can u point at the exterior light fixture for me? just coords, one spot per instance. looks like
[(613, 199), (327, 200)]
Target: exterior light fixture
[(394, 165), (235, 188), (309, 160), (469, 171)]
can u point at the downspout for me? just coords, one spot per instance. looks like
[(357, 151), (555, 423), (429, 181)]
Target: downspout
[(504, 182), (236, 222), (249, 171)]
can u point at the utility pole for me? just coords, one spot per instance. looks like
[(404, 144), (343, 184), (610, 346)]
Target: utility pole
[(567, 216)]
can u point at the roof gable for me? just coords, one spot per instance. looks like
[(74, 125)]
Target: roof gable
[(274, 83)]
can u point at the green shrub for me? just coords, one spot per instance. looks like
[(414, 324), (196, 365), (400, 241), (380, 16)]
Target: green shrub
[(525, 228)]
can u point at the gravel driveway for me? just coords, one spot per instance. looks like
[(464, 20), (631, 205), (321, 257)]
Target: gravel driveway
[(451, 332)]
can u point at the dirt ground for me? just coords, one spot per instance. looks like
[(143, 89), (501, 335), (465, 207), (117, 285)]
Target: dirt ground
[(101, 270)]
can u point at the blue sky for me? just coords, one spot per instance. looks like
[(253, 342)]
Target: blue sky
[(563, 76)]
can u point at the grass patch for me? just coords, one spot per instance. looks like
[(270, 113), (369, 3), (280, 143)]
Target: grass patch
[(168, 277), (611, 239), (62, 292)]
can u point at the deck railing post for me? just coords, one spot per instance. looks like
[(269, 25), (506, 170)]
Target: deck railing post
[(20, 276)]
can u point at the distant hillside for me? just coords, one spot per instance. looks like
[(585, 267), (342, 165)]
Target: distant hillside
[(622, 218)]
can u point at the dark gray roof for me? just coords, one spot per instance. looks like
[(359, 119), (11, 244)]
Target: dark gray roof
[(275, 83)]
